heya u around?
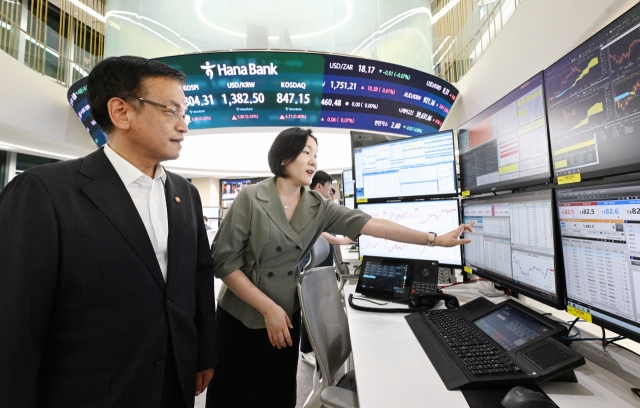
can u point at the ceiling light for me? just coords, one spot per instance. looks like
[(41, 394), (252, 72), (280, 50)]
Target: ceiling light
[(198, 7)]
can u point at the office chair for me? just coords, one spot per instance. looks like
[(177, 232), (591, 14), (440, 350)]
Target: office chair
[(342, 268), (319, 252), (326, 324)]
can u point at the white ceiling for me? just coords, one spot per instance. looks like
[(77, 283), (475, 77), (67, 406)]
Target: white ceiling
[(243, 152)]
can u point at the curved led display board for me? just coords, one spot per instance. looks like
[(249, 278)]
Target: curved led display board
[(265, 88)]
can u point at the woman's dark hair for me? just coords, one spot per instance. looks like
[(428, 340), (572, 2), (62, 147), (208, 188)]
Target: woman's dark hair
[(120, 77), (286, 147)]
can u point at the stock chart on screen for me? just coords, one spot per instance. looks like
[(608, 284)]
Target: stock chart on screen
[(592, 101), (439, 216)]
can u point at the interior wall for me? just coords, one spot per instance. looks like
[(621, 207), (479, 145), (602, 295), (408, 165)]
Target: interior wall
[(35, 114), (538, 34), (209, 189)]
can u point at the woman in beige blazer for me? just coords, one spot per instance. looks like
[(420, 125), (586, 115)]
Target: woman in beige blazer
[(257, 253)]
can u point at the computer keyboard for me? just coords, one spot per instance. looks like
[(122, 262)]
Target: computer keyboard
[(486, 344), (470, 345)]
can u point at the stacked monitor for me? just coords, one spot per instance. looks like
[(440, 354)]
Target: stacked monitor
[(591, 94), (600, 230), (399, 180), (439, 216), (418, 167), (507, 145), (565, 245), (594, 104), (513, 244)]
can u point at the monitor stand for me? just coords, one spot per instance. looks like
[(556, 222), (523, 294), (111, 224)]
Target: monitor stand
[(491, 291)]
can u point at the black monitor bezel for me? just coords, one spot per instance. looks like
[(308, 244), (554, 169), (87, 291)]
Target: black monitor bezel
[(595, 319), (362, 139), (560, 303), (456, 199), (514, 183), (596, 174), (412, 197)]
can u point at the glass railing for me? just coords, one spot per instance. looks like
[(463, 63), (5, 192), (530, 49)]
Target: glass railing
[(464, 31), (27, 38)]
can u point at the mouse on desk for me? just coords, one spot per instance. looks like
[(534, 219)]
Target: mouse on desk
[(520, 397)]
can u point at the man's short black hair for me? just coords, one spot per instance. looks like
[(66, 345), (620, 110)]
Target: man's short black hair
[(286, 147), (321, 177), (121, 77), (204, 217)]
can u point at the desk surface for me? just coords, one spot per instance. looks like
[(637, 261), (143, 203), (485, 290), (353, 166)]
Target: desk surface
[(392, 369)]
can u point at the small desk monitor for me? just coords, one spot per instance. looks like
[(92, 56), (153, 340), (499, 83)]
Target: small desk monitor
[(600, 232), (350, 202), (513, 245), (422, 166), (439, 216), (507, 145), (594, 105), (348, 184)]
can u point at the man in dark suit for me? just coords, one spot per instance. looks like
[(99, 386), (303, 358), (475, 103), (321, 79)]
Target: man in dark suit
[(106, 278)]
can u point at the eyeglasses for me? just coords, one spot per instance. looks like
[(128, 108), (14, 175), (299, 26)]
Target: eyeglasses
[(175, 114)]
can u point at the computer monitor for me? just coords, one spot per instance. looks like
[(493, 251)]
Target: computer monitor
[(348, 184), (422, 166), (507, 145), (439, 216), (600, 233), (594, 105), (513, 244), (350, 202), (361, 139), (231, 188)]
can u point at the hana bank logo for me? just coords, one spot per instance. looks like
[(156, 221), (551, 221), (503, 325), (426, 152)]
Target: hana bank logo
[(208, 69), (239, 70)]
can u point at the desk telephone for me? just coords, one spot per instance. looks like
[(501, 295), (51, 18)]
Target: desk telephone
[(414, 281)]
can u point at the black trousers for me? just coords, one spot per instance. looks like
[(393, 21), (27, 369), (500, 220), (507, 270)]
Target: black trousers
[(251, 372)]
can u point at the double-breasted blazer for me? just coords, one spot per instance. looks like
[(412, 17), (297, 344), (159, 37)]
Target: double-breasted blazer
[(256, 238), (86, 314)]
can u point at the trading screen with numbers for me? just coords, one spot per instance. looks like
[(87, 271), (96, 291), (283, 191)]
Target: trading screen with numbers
[(512, 243), (600, 228), (262, 88)]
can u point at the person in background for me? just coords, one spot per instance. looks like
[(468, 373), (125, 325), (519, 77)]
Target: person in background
[(206, 225), (106, 277), (257, 252), (332, 196), (321, 183)]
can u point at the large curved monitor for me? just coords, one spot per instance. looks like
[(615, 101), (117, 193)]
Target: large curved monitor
[(600, 229), (594, 109), (421, 166), (274, 88), (506, 146), (513, 244), (439, 216)]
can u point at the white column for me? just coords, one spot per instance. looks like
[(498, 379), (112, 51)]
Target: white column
[(11, 166)]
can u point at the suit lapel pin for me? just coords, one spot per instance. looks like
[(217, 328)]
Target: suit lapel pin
[(177, 199)]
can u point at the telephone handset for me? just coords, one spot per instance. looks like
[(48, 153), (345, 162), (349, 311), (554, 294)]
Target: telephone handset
[(415, 281)]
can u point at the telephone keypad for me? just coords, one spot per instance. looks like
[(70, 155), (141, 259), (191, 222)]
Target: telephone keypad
[(419, 288)]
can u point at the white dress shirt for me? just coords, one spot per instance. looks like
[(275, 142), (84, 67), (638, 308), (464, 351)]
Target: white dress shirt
[(148, 195)]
